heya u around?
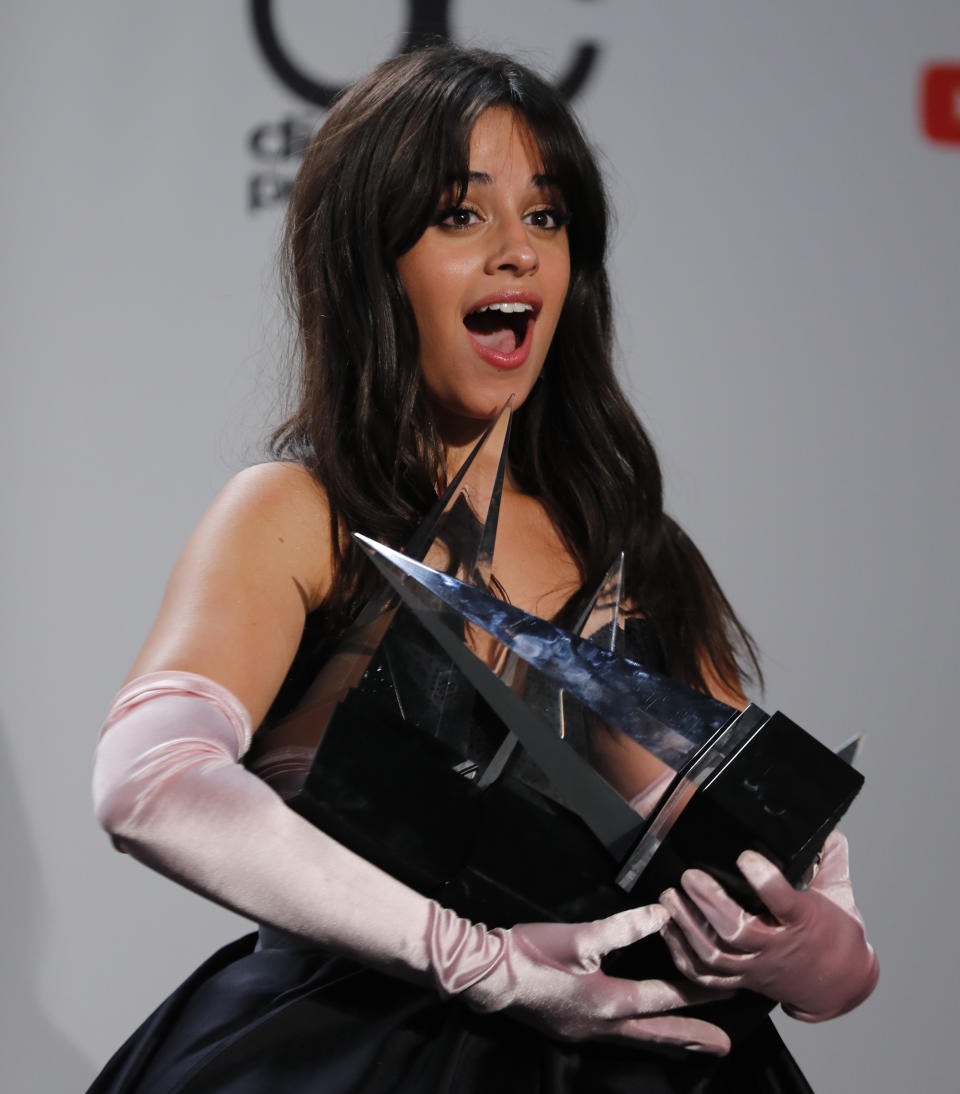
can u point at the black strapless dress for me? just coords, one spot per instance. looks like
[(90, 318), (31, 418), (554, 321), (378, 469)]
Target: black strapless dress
[(273, 1014)]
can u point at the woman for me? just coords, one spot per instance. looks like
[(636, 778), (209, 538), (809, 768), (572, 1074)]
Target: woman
[(446, 242)]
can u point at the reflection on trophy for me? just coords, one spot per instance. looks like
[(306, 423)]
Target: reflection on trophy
[(498, 790)]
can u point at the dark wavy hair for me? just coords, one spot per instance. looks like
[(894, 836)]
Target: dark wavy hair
[(370, 183)]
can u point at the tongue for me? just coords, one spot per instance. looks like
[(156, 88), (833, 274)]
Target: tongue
[(502, 341), (491, 332)]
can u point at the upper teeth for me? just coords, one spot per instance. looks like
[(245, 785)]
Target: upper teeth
[(505, 306)]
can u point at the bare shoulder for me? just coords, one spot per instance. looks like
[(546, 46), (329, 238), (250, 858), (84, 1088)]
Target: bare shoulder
[(273, 512), (258, 562), (278, 480), (280, 487)]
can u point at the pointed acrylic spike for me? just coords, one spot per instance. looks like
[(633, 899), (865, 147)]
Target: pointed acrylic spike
[(498, 438), (622, 761), (848, 752), (429, 688), (465, 534), (602, 621), (669, 719), (458, 534), (462, 527)]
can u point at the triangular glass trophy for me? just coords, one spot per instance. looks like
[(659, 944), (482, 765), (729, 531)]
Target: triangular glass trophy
[(743, 779), (787, 790)]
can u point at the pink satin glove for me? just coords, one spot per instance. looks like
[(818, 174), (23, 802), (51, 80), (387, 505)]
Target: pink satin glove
[(809, 953), (548, 975), (170, 790)]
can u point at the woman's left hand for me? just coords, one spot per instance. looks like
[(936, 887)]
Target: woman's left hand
[(809, 953)]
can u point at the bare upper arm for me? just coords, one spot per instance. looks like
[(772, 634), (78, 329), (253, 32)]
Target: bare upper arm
[(235, 605)]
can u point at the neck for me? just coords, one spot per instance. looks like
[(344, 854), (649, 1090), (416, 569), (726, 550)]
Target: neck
[(459, 437)]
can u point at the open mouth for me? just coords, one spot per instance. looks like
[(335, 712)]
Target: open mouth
[(501, 327)]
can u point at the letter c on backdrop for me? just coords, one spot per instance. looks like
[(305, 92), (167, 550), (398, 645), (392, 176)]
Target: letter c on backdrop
[(427, 23)]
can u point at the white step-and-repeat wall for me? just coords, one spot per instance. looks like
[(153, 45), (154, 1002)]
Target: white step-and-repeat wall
[(787, 181)]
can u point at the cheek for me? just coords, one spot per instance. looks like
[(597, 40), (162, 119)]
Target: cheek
[(564, 274), (424, 284), (431, 330), (560, 287), (555, 273)]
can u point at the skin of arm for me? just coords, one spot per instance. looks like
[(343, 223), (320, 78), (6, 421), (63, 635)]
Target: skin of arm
[(257, 563)]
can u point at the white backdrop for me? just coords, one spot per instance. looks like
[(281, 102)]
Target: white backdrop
[(786, 266)]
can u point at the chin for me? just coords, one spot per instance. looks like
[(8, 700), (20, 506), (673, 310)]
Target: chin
[(484, 409), (480, 412)]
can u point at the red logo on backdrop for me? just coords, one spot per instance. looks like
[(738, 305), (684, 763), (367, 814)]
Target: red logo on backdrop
[(940, 102)]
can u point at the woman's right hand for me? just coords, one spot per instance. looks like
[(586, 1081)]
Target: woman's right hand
[(549, 976)]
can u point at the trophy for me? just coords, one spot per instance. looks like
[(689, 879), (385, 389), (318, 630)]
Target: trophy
[(493, 791)]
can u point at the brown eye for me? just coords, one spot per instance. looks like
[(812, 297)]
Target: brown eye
[(549, 219), (459, 216)]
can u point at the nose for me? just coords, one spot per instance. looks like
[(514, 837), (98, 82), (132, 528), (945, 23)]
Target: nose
[(513, 250)]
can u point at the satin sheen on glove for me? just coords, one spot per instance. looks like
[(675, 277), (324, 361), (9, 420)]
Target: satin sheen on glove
[(169, 789), (810, 953), (548, 975)]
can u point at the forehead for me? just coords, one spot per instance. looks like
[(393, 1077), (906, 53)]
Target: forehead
[(502, 144)]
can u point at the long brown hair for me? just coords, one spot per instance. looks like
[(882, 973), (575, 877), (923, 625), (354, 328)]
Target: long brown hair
[(390, 148)]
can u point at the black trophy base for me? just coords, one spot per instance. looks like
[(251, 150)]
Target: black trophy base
[(779, 792)]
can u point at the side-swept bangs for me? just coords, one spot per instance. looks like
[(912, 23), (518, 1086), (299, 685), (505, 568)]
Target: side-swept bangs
[(422, 149)]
